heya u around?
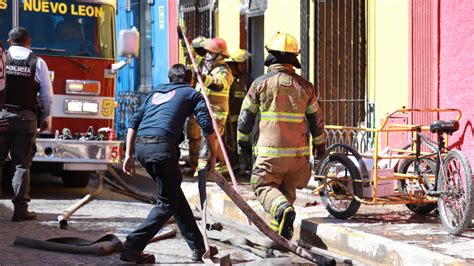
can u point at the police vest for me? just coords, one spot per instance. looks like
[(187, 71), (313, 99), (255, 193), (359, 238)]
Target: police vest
[(21, 88), (2, 75)]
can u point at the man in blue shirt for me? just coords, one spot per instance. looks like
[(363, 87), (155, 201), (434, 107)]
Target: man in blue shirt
[(157, 129)]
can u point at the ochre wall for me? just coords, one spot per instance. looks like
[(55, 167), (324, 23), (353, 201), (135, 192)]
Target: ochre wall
[(284, 17), (456, 67), (387, 43), (228, 23)]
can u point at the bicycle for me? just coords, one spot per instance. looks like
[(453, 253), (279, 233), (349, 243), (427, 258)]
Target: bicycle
[(440, 178)]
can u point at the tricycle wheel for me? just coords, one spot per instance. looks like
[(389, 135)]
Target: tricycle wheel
[(339, 192), (427, 166), (454, 185)]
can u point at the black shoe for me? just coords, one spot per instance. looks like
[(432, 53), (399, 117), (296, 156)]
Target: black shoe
[(137, 256), (197, 253), (28, 216)]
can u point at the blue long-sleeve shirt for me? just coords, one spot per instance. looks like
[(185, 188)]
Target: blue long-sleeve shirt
[(165, 110)]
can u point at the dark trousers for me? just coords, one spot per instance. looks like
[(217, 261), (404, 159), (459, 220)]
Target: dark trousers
[(161, 162), (18, 136)]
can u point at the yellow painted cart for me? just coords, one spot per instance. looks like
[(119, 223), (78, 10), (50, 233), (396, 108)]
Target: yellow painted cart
[(424, 174)]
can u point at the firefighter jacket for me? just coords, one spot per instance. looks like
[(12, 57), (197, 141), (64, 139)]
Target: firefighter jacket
[(217, 80), (238, 90), (285, 104)]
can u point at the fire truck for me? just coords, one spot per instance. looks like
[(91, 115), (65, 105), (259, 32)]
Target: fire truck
[(76, 38)]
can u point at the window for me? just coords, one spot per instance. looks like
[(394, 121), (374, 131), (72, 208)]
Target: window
[(5, 20), (72, 28)]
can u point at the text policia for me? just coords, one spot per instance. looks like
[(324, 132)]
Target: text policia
[(45, 6)]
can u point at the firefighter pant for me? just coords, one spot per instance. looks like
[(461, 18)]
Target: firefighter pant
[(193, 133), (161, 162), (274, 177), (205, 153), (18, 138)]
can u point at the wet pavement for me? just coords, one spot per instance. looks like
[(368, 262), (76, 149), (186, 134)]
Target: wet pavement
[(387, 226)]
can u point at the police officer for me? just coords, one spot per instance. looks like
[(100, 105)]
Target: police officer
[(157, 128), (27, 76)]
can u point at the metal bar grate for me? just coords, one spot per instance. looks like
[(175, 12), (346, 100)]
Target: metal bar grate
[(340, 63)]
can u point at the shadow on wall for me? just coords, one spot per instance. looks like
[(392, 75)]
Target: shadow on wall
[(458, 144)]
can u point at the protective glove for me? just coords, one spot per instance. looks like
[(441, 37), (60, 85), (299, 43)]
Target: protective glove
[(319, 151)]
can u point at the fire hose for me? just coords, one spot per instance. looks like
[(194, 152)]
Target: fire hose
[(233, 191)]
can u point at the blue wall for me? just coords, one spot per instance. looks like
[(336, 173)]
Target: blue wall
[(159, 40), (127, 77)]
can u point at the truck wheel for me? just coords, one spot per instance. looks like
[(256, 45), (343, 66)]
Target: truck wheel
[(77, 179)]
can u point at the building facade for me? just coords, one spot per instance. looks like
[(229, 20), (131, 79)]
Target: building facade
[(366, 58)]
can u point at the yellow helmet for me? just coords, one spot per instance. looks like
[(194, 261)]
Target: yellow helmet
[(239, 56), (198, 42), (283, 42)]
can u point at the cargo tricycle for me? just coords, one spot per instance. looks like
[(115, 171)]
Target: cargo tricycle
[(425, 174)]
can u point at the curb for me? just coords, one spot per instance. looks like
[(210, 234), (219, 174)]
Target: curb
[(368, 248), (361, 247)]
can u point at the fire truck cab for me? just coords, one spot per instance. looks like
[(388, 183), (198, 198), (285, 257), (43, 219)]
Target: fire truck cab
[(76, 38)]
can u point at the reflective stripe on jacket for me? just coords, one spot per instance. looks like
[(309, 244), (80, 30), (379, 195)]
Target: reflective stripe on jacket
[(285, 102), (217, 84)]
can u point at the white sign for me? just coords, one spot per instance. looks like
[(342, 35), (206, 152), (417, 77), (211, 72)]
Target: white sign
[(161, 16)]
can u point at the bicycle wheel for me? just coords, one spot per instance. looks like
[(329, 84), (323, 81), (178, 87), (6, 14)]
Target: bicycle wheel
[(454, 184), (338, 195), (428, 167)]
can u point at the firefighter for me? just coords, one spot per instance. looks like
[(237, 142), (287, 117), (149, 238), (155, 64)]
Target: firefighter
[(27, 76), (286, 105), (157, 128), (217, 78), (242, 81), (193, 131)]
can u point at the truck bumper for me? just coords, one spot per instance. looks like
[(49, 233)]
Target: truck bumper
[(77, 155)]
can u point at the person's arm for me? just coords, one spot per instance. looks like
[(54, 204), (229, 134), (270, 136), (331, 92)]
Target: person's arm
[(45, 93), (212, 142), (204, 120), (247, 117), (219, 81), (133, 124), (129, 162), (315, 119), (137, 117)]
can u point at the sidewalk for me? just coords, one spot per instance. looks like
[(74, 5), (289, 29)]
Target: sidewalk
[(376, 235)]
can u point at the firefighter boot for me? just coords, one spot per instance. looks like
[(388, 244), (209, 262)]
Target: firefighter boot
[(282, 221)]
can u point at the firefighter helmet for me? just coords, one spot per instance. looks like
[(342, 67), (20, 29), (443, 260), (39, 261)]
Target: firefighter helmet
[(283, 42), (239, 56), (216, 45), (198, 42)]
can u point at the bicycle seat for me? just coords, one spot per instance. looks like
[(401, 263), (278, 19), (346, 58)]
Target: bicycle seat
[(441, 126)]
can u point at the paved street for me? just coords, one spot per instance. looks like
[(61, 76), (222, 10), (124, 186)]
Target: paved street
[(110, 212), (372, 235)]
